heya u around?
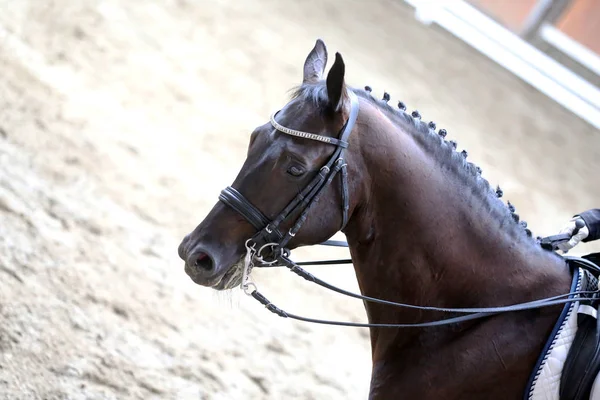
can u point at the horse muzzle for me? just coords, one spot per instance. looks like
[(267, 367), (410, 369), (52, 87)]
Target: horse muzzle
[(210, 267)]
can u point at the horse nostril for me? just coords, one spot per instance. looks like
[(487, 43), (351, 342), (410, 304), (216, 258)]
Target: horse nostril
[(203, 261)]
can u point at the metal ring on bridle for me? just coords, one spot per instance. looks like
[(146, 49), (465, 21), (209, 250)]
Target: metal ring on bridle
[(247, 287), (250, 241), (260, 257)]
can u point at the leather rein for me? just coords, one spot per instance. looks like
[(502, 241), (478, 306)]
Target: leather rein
[(267, 247)]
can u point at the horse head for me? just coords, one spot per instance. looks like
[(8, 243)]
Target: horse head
[(292, 189)]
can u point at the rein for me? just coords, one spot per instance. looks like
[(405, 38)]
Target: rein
[(267, 247), (471, 313)]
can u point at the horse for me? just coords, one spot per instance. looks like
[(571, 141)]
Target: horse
[(423, 227)]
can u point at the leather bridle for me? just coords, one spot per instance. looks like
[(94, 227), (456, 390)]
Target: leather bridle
[(269, 233), (267, 247)]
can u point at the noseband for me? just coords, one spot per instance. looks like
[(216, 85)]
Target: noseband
[(269, 233)]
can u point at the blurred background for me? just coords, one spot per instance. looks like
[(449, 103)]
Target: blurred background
[(120, 122)]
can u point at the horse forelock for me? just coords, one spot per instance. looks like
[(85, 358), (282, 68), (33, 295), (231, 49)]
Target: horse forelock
[(315, 93)]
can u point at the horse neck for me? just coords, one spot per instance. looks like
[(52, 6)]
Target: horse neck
[(419, 235)]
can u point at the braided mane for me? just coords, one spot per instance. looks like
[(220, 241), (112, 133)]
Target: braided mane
[(434, 143)]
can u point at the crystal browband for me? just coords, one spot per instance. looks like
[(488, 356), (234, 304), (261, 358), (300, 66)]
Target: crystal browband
[(306, 135)]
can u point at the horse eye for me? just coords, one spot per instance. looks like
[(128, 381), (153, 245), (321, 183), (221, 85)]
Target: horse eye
[(295, 171)]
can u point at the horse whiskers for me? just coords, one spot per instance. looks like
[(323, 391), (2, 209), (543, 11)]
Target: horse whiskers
[(235, 275)]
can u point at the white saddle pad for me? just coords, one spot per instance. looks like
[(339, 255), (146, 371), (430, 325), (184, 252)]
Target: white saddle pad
[(544, 383)]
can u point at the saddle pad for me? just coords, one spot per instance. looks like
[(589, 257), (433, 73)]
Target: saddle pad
[(595, 393), (544, 383)]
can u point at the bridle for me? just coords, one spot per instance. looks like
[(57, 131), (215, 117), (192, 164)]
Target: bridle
[(269, 233), (267, 248)]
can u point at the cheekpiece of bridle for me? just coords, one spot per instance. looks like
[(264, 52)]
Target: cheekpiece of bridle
[(270, 242), (268, 246)]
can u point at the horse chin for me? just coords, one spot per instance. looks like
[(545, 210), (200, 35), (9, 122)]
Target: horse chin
[(232, 278)]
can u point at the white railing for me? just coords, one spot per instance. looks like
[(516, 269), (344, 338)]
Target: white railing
[(521, 58)]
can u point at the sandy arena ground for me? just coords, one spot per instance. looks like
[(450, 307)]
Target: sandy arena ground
[(120, 122)]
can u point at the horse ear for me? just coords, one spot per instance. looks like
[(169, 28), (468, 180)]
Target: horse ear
[(335, 83), (315, 63)]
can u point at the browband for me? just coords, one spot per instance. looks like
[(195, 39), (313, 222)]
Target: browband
[(306, 135)]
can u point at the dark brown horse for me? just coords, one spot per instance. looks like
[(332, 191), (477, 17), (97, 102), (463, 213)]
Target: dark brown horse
[(423, 227)]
